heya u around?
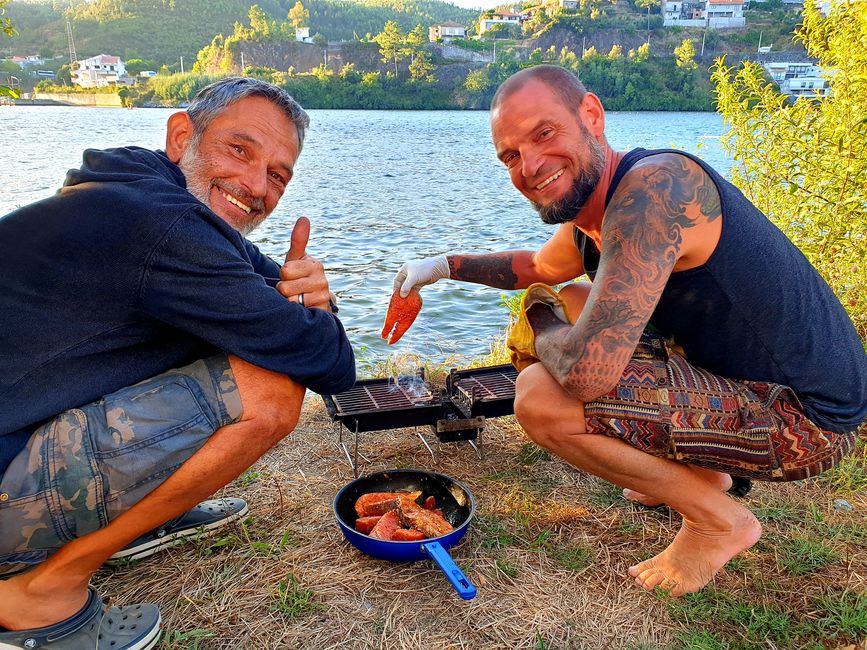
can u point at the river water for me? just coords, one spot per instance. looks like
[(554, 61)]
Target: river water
[(380, 187)]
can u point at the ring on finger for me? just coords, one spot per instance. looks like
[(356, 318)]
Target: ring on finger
[(301, 299)]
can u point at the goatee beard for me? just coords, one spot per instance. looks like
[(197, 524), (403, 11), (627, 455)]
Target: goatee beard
[(567, 208)]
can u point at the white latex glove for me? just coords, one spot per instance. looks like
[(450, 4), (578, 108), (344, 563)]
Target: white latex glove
[(414, 275)]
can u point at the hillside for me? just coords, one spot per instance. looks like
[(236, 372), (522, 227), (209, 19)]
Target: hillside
[(165, 30)]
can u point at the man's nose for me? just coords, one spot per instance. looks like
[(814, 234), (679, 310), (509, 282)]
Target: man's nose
[(256, 181), (531, 161)]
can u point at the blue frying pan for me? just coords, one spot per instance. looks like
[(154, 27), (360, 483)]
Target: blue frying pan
[(456, 501)]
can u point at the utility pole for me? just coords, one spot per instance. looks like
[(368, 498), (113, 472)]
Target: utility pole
[(704, 33), (72, 56), (494, 60), (182, 65), (242, 62)]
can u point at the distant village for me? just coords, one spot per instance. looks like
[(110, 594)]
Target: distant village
[(795, 78)]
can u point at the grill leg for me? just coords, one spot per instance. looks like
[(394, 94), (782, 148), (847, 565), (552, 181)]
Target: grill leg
[(424, 442), (477, 447), (355, 454)]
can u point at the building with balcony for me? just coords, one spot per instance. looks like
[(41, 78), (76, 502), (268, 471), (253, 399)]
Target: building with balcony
[(718, 14), (446, 32), (100, 71)]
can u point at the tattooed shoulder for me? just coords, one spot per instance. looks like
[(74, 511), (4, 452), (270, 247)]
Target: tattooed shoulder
[(659, 198)]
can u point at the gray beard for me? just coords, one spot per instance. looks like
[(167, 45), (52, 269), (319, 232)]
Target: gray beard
[(195, 173), (567, 208)]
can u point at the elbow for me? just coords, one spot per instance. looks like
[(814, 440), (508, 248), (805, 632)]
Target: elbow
[(588, 391)]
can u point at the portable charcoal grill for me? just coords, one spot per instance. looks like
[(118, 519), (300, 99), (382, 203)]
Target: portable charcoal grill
[(487, 391), (458, 414)]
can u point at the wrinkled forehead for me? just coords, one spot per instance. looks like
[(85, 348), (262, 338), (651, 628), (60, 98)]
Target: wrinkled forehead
[(525, 103)]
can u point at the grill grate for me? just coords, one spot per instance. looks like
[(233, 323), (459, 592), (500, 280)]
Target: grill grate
[(490, 386), (375, 404), (371, 397)]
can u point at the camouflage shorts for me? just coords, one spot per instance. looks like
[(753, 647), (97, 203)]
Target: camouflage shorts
[(88, 465)]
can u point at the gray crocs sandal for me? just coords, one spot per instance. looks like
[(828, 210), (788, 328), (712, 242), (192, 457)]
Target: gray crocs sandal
[(133, 627), (204, 519)]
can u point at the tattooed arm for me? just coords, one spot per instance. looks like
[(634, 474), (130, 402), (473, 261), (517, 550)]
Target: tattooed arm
[(664, 216), (557, 261)]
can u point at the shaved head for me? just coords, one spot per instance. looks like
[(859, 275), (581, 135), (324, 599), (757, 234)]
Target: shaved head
[(563, 83)]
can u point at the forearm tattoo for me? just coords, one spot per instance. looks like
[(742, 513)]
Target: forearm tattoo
[(494, 269), (641, 243)]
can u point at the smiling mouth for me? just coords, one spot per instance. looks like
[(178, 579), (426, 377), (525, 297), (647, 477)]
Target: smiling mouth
[(231, 199), (553, 177)]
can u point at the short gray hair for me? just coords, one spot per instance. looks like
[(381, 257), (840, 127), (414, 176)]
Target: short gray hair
[(565, 85), (214, 98)]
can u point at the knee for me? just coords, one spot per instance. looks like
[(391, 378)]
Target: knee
[(551, 417), (270, 401), (575, 296), (533, 404)]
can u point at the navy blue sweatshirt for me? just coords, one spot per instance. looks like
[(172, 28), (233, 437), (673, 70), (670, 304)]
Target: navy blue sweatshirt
[(123, 275)]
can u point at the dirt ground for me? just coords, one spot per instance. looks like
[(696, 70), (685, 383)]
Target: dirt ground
[(548, 550)]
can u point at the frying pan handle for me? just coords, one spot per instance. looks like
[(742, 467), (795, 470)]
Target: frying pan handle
[(452, 571)]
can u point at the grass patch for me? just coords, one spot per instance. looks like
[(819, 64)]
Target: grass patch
[(850, 474), (494, 535), (800, 556), (529, 454), (535, 483), (699, 640), (605, 494), (506, 568), (844, 616), (291, 600), (749, 626), (246, 540), (574, 557), (186, 640), (777, 514)]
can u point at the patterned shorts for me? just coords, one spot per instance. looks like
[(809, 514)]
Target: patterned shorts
[(668, 408), (88, 465)]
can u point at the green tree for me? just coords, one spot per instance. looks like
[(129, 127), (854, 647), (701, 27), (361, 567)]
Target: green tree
[(641, 54), (8, 30), (684, 54), (421, 67), (415, 42), (392, 44), (477, 81), (261, 23), (299, 16), (802, 163), (647, 4)]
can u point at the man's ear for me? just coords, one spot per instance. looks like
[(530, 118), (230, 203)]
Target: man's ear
[(179, 130), (593, 115)]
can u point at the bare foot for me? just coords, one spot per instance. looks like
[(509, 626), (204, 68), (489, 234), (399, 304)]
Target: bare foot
[(29, 603), (719, 480), (697, 553)]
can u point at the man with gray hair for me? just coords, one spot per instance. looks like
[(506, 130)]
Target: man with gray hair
[(149, 354)]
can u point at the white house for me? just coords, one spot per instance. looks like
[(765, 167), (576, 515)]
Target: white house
[(99, 71), (798, 78), (302, 35), (446, 32), (30, 59), (500, 18), (707, 13)]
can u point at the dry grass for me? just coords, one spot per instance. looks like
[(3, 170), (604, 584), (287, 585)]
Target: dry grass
[(548, 550)]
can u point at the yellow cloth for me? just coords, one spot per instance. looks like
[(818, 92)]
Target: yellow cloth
[(521, 340)]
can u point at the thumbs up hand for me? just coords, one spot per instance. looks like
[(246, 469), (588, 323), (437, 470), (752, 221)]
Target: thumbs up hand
[(302, 278)]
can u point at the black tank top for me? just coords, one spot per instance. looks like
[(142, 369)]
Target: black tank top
[(758, 310)]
